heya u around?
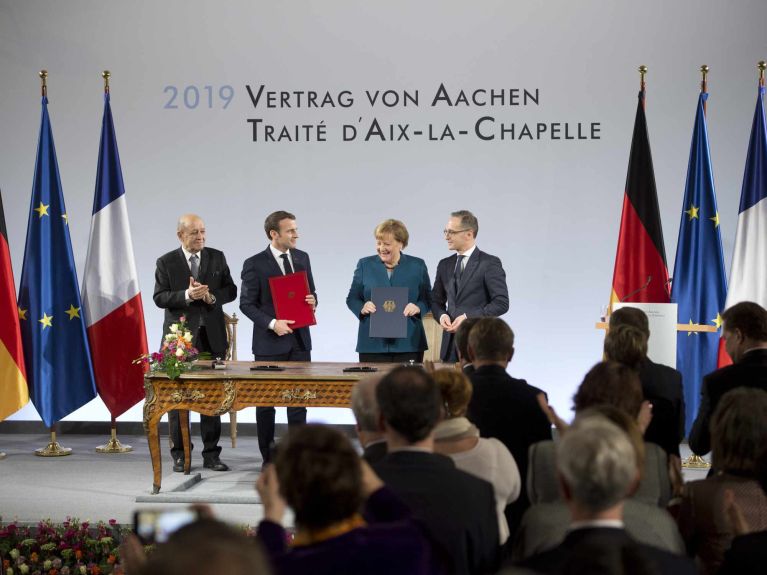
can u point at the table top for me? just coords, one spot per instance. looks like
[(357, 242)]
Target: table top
[(304, 370)]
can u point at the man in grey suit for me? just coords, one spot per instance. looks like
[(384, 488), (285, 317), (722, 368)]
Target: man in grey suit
[(470, 283)]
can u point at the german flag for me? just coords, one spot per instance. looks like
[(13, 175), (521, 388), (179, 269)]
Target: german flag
[(13, 380), (641, 273)]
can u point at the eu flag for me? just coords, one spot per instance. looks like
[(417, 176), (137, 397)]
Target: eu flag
[(699, 285), (56, 354)]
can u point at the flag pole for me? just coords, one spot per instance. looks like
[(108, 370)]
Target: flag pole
[(113, 445), (53, 449), (696, 461), (761, 66)]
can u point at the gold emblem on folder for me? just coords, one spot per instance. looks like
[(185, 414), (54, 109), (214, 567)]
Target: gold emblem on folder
[(389, 306)]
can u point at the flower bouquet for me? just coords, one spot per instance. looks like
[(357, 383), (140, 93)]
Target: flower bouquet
[(69, 548), (176, 354)]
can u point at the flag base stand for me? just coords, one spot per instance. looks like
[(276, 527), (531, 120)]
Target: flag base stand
[(696, 462), (2, 455), (114, 445), (53, 449)]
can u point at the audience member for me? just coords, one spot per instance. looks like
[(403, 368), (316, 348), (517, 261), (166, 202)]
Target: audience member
[(204, 547), (457, 508), (748, 553), (738, 435), (502, 406), (661, 385), (458, 438), (744, 330), (319, 475), (366, 413), (461, 342), (546, 522), (597, 469)]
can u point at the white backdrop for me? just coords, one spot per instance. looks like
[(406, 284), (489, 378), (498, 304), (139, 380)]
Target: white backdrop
[(549, 208)]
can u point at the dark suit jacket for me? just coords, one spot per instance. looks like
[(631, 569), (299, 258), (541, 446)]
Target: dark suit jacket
[(410, 273), (375, 452), (507, 409), (457, 509), (586, 550), (750, 371), (482, 292), (171, 280), (256, 301), (390, 543), (662, 386), (747, 555)]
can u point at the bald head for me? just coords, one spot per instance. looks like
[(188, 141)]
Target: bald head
[(191, 232)]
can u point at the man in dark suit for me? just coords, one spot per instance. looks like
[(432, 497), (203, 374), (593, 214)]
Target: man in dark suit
[(457, 509), (597, 468), (274, 339), (744, 330), (471, 283), (194, 281), (661, 386), (502, 406), (366, 414)]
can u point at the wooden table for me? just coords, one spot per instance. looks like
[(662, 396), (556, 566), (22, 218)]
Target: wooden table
[(215, 392)]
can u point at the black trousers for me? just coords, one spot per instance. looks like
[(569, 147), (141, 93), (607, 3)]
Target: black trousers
[(403, 357), (265, 415), (210, 425)]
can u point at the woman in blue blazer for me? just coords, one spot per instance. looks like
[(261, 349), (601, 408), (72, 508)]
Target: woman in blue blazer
[(390, 267)]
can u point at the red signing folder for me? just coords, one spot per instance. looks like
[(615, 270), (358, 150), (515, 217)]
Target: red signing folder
[(289, 296)]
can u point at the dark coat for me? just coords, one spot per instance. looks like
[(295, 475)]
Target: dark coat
[(482, 292), (171, 280), (457, 509), (662, 386), (750, 371), (256, 301)]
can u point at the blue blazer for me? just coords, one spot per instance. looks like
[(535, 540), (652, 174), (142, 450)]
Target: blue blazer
[(410, 273), (256, 301)]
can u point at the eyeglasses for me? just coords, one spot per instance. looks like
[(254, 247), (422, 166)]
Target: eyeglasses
[(451, 233)]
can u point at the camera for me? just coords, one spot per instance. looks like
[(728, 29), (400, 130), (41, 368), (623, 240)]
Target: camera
[(156, 525)]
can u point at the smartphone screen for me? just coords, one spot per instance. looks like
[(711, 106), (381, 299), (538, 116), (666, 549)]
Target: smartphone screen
[(156, 525)]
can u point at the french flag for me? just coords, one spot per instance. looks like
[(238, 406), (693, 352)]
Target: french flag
[(748, 275), (111, 296)]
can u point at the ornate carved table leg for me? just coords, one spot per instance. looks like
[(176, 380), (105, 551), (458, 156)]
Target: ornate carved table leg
[(183, 418)]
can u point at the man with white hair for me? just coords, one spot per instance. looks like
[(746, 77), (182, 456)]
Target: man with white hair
[(366, 412), (597, 468)]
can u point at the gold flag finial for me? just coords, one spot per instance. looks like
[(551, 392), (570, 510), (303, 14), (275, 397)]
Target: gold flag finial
[(704, 72), (642, 74), (761, 65), (44, 82), (106, 74)]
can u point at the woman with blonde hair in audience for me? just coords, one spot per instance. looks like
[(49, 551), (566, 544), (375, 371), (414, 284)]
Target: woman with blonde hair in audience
[(738, 437), (458, 438)]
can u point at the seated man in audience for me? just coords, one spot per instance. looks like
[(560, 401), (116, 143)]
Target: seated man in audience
[(597, 468), (366, 413), (458, 509), (661, 385), (461, 342), (744, 330), (502, 406)]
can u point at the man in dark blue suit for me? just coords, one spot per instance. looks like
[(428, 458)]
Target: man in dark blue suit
[(274, 339), (471, 283)]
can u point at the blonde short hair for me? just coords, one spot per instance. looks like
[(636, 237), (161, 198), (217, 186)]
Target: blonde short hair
[(394, 227)]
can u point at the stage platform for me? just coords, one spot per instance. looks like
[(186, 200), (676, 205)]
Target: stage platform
[(95, 487)]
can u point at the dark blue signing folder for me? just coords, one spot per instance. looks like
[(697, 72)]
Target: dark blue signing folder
[(389, 319)]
